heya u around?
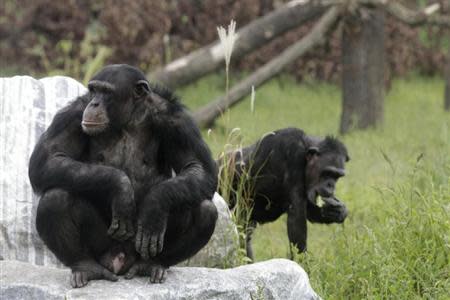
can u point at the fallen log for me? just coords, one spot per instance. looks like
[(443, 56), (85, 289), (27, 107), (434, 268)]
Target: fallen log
[(256, 34), (411, 17), (206, 115)]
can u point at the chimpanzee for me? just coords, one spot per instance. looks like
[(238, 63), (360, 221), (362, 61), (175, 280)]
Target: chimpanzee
[(123, 164), (287, 171)]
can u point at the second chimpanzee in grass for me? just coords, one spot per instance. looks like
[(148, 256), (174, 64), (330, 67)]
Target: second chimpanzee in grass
[(287, 171), (123, 165)]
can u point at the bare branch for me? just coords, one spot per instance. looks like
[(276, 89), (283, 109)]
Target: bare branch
[(411, 17)]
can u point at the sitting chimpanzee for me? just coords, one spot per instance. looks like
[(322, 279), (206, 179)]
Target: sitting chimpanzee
[(287, 171), (125, 180)]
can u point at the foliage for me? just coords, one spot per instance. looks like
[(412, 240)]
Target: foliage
[(395, 243), (73, 37)]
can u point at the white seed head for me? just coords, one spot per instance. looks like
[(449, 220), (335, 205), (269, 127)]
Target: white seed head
[(227, 40), (252, 100)]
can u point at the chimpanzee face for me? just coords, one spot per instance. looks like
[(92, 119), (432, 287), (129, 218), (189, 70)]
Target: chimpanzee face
[(323, 169), (114, 95)]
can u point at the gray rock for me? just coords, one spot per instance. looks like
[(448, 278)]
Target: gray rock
[(27, 108), (221, 250), (274, 279)]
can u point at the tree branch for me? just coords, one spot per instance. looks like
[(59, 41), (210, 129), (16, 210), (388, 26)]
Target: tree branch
[(411, 17), (206, 115), (254, 35)]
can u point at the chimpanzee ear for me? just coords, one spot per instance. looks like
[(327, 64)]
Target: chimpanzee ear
[(312, 151), (141, 88)]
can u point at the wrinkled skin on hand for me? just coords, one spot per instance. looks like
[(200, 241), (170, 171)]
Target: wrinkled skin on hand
[(334, 210), (121, 228), (153, 270), (150, 235), (85, 271), (124, 211)]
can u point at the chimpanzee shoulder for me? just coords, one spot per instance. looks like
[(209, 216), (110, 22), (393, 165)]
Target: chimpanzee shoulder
[(282, 146)]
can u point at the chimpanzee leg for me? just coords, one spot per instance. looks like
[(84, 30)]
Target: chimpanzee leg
[(186, 234), (74, 231)]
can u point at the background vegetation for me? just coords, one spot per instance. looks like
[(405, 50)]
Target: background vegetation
[(395, 243), (76, 37)]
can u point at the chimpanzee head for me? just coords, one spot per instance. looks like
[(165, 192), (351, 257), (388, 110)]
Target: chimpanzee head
[(117, 95), (325, 164)]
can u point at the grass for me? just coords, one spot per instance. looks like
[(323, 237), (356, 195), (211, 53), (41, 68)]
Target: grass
[(395, 243)]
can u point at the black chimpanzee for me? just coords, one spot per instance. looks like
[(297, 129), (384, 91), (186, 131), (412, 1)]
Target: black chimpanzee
[(126, 157), (288, 170)]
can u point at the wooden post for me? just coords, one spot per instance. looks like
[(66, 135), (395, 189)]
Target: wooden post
[(363, 62)]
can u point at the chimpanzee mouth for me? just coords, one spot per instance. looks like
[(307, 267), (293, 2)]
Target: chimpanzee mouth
[(92, 128), (93, 124)]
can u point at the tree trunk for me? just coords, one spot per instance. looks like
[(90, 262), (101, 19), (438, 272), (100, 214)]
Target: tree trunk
[(447, 84), (254, 35), (363, 63), (206, 115)]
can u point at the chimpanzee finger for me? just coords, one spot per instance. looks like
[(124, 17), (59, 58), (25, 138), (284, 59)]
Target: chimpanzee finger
[(332, 201), (109, 275), (84, 280), (121, 233), (132, 272), (113, 227), (144, 247), (160, 274), (153, 272), (79, 279), (130, 229), (73, 281), (161, 242), (153, 245), (139, 236)]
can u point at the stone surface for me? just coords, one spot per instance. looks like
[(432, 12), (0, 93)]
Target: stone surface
[(27, 108), (274, 279), (221, 250)]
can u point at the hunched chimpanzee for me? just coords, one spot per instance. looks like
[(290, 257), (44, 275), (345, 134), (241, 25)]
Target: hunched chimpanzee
[(123, 165), (286, 171)]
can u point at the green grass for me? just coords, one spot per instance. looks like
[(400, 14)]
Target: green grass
[(395, 243)]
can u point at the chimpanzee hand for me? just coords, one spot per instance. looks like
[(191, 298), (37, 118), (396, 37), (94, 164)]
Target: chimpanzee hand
[(333, 211), (123, 211), (151, 229), (121, 228)]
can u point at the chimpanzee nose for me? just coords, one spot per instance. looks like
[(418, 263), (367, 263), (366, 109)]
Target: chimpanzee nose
[(95, 104)]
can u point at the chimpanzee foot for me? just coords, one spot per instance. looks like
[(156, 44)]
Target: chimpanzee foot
[(154, 270), (85, 271)]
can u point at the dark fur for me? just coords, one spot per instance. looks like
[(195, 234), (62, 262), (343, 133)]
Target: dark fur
[(121, 177), (281, 181)]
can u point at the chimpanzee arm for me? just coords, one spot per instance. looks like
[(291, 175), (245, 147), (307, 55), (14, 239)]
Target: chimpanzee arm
[(56, 162), (296, 222), (328, 213), (183, 150)]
